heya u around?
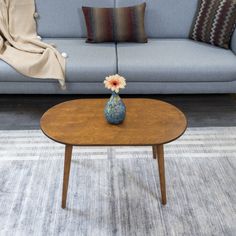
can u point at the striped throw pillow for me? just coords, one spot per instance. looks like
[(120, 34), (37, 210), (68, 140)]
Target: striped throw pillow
[(215, 22), (124, 24)]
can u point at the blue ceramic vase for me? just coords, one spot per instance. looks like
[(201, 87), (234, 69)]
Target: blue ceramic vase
[(115, 110)]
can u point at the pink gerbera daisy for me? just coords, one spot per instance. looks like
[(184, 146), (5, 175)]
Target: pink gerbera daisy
[(115, 83)]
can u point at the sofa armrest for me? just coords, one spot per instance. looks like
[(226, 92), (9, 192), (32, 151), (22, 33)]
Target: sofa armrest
[(233, 42)]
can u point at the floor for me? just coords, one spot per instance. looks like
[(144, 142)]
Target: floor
[(114, 191), (24, 111), (105, 194)]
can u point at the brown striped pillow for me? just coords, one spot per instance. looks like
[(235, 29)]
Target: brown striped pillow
[(215, 22), (124, 24)]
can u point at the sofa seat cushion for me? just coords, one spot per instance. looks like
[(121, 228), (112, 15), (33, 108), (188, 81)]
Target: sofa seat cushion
[(175, 60), (85, 62)]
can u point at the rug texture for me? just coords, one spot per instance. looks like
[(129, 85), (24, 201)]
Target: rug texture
[(115, 191)]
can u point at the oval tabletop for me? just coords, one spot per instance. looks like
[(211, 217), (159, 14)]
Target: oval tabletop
[(82, 123)]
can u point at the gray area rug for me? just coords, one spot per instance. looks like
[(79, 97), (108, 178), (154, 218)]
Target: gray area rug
[(115, 191)]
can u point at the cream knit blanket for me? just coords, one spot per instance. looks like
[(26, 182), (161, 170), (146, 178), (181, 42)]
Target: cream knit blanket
[(20, 47)]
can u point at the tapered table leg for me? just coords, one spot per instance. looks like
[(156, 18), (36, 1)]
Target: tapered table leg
[(154, 152), (161, 166), (67, 163)]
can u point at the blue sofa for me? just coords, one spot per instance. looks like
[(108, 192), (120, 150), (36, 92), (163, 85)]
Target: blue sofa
[(168, 63)]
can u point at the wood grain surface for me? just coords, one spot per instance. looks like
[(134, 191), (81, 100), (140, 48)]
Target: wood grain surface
[(82, 123)]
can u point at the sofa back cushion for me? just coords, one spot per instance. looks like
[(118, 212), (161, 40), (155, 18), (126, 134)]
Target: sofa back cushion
[(166, 18), (233, 42), (64, 18)]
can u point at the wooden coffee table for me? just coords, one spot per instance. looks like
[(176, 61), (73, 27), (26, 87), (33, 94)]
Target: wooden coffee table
[(81, 122)]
